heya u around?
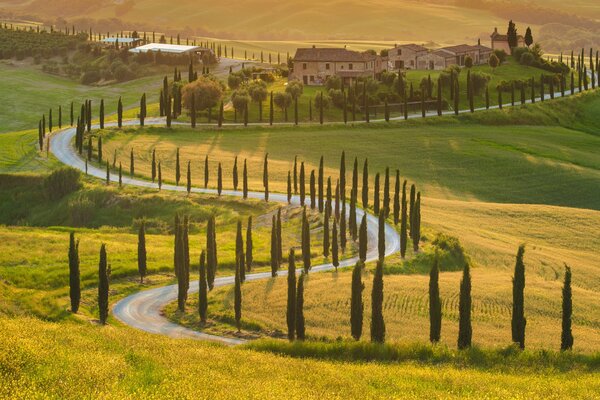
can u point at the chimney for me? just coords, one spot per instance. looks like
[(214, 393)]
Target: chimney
[(314, 47), (495, 30)]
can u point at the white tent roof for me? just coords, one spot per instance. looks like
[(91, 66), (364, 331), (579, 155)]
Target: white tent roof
[(121, 40), (165, 48)]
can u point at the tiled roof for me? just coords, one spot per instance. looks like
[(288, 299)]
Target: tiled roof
[(331, 54), (413, 47), (461, 48)]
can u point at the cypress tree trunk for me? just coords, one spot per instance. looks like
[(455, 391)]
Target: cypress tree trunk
[(300, 329), (518, 310), (381, 238), (377, 322), (465, 330), (356, 302), (313, 194), (435, 304), (101, 113), (131, 163), (566, 337), (238, 293), (499, 98), (249, 258), (103, 285), (245, 180), (74, 280), (206, 171), (142, 267), (362, 239), (291, 297), (107, 174), (302, 185), (365, 185), (219, 179), (320, 185)]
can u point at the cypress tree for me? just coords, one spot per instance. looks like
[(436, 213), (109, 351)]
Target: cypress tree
[(343, 228), (74, 281), (456, 97), (321, 109), (313, 194), (352, 219), (354, 189), (566, 337), (295, 111), (131, 163), (159, 176), (416, 224), (512, 94), (120, 175), (206, 171), (245, 180), (300, 328), (189, 178), (411, 210), (499, 98), (153, 164), (403, 223), (289, 187), (271, 109), (279, 234), (120, 113), (305, 242), (142, 267), (219, 179), (320, 185), (397, 198), (465, 330), (435, 304), (50, 120), (518, 310), (532, 90), (377, 323), (101, 113), (107, 174), (356, 302), (386, 193), (376, 195), (337, 200), (362, 239), (381, 238), (343, 176), (40, 136), (103, 285), (487, 97), (542, 95), (365, 184), (439, 97), (246, 115), (274, 248), (266, 176), (100, 149), (237, 302), (326, 243), (328, 199), (295, 174), (210, 261), (249, 258), (291, 298), (177, 168), (239, 249), (334, 246), (72, 115), (235, 174), (142, 109), (302, 186)]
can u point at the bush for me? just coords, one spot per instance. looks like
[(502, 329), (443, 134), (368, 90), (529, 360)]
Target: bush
[(81, 211), (333, 82), (90, 77), (337, 97), (62, 182), (325, 98), (234, 80), (479, 81), (527, 59), (295, 88), (501, 54)]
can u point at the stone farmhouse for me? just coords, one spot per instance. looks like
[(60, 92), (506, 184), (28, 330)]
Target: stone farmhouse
[(413, 56), (500, 42), (313, 66)]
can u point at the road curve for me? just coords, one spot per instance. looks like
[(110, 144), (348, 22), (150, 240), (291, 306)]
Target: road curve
[(143, 310)]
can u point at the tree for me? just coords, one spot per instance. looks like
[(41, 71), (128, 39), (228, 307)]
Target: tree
[(512, 35), (566, 337), (202, 289), (465, 330), (153, 164), (386, 192), (468, 62), (237, 301), (219, 179), (206, 171), (416, 224), (397, 198), (291, 296), (377, 322), (142, 109), (320, 185), (206, 90), (289, 187), (294, 88), (326, 243), (120, 113), (142, 267), (239, 247), (100, 149), (518, 310), (362, 239), (131, 163), (435, 304), (74, 280), (343, 227), (249, 244), (295, 174), (177, 168), (283, 101), (305, 242), (356, 302), (411, 210), (211, 253), (235, 174), (258, 92), (302, 185), (343, 176), (313, 194), (365, 184), (381, 236), (159, 176), (376, 194), (334, 246), (245, 180), (101, 113), (103, 285), (528, 37), (189, 178), (266, 176), (300, 328)]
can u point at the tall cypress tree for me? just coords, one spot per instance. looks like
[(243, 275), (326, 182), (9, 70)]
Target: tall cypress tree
[(518, 310), (313, 194), (159, 176), (142, 109), (153, 164), (279, 234), (386, 193), (343, 227), (300, 328), (274, 248), (239, 247), (329, 199), (101, 113), (120, 113), (266, 176), (305, 242), (74, 280), (320, 185), (334, 246), (465, 330), (376, 195), (411, 210), (352, 220), (100, 149), (381, 236), (356, 302), (120, 174), (206, 171), (566, 337), (245, 180), (416, 224), (189, 178), (291, 297), (362, 239), (302, 185), (103, 285), (210, 254), (219, 179), (235, 174), (289, 187), (295, 174), (397, 198), (237, 301), (337, 201), (365, 184), (249, 243), (354, 190), (377, 322), (142, 267), (131, 163), (326, 243), (343, 176), (177, 168), (403, 223), (435, 304)]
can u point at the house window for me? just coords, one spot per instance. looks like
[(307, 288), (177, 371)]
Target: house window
[(400, 52), (327, 66), (304, 66), (312, 78), (350, 66)]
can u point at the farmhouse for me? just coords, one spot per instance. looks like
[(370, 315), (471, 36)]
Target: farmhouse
[(406, 56), (479, 54), (314, 65), (500, 42)]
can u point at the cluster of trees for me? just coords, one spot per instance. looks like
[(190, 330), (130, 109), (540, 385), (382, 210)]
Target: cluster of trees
[(24, 43)]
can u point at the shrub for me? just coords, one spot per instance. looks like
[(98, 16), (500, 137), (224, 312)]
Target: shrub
[(295, 88), (337, 97), (90, 77), (62, 182), (501, 54), (333, 82), (325, 98), (235, 79), (479, 81), (81, 211)]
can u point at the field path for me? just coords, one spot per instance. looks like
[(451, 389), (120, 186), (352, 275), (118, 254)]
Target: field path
[(143, 310)]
